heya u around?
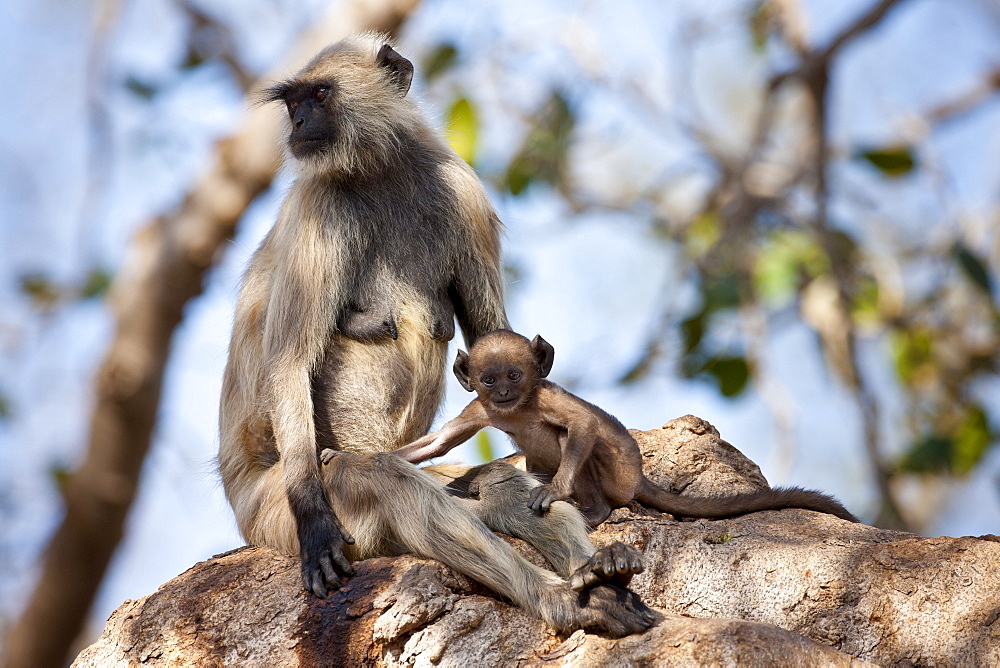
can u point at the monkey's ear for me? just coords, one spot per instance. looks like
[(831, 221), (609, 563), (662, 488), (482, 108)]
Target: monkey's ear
[(461, 369), (544, 354), (400, 69)]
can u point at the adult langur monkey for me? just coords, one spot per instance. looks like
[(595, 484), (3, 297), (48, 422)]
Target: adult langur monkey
[(340, 339)]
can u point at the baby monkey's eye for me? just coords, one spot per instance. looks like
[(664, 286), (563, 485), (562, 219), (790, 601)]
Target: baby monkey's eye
[(514, 376), (488, 381)]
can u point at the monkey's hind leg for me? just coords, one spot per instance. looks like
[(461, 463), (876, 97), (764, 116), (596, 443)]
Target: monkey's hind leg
[(382, 492), (560, 534)]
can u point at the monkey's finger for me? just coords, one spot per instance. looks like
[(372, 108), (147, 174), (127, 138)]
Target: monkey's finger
[(637, 565), (584, 580), (343, 564), (392, 329), (329, 572), (348, 538), (313, 583)]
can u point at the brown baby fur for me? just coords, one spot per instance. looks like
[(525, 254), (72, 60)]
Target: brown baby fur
[(582, 451)]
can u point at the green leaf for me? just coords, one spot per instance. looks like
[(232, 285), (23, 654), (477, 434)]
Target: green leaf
[(865, 299), (5, 409), (957, 450), (41, 290), (928, 455), (720, 292), (60, 476), (731, 373), (703, 233), (913, 351), (463, 128), (542, 155), (892, 161), (784, 262), (143, 90), (96, 285), (519, 176), (484, 446), (440, 60), (972, 440), (193, 58), (642, 367), (692, 331), (974, 268), (761, 22)]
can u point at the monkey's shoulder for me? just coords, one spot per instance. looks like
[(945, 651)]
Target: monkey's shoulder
[(557, 401)]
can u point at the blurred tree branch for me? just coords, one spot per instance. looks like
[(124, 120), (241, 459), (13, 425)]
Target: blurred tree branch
[(163, 272), (837, 330)]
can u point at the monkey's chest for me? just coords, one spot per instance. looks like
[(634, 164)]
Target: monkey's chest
[(541, 445)]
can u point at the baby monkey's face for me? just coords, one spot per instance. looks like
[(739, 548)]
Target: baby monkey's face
[(505, 384)]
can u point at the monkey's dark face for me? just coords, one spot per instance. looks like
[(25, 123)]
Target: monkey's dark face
[(310, 106), (342, 103), (505, 384)]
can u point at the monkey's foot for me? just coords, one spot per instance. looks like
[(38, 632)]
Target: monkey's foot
[(616, 563), (605, 608)]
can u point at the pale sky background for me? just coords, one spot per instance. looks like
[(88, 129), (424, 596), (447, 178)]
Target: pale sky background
[(588, 284)]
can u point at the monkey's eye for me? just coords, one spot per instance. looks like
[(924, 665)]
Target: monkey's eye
[(292, 106), (514, 376), (320, 93), (489, 381)]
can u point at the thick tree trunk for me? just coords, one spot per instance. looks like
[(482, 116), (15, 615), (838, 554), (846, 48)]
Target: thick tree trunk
[(789, 587)]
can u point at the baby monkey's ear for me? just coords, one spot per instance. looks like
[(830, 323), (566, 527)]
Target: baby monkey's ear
[(461, 369), (544, 354)]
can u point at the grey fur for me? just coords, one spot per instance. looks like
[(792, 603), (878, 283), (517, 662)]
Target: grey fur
[(339, 342)]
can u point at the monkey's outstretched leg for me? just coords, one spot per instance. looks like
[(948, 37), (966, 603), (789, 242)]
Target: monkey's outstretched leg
[(390, 506), (500, 494)]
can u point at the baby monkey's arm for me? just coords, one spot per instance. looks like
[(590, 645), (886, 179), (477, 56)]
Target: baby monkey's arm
[(457, 431)]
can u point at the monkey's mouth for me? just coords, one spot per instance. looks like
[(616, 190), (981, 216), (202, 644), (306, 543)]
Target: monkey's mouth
[(506, 403), (305, 147)]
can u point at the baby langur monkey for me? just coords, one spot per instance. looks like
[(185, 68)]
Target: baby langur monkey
[(585, 453)]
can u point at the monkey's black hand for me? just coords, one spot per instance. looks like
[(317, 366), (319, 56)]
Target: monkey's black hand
[(367, 326), (322, 541), (543, 496), (615, 563)]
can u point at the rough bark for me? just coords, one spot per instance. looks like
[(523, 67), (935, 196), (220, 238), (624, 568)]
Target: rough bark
[(787, 587), (163, 272)]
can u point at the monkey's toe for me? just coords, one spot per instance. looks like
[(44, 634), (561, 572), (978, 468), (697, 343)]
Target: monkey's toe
[(616, 563)]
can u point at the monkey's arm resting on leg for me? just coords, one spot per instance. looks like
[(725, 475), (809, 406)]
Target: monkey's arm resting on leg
[(457, 431)]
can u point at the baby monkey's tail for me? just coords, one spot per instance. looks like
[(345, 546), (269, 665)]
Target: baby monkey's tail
[(652, 495)]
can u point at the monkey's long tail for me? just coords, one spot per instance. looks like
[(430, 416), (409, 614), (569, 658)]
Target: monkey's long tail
[(655, 496)]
